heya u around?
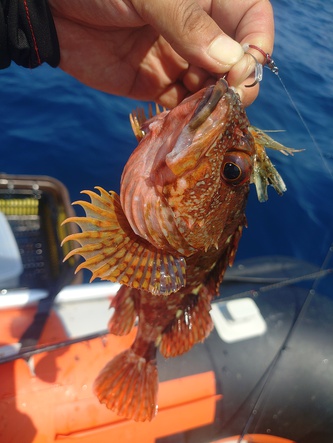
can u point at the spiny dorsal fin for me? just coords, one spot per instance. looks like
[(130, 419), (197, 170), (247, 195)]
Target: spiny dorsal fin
[(138, 118), (112, 251)]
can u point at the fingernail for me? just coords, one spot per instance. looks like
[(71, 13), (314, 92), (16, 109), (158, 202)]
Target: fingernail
[(225, 50)]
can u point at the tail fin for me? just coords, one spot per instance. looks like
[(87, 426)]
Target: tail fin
[(128, 385)]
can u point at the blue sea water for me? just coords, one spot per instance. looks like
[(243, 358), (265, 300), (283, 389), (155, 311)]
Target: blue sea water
[(50, 124)]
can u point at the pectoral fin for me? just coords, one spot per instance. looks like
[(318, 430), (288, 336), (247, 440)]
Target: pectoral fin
[(112, 251)]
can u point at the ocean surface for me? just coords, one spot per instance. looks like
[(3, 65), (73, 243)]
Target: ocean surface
[(50, 124)]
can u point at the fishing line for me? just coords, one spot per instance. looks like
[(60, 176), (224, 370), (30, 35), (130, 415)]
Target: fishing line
[(324, 270), (270, 64), (314, 141)]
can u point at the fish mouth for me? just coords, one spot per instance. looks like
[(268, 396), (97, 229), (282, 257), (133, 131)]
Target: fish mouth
[(208, 103), (202, 129)]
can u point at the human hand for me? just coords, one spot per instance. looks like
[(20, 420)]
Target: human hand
[(162, 50)]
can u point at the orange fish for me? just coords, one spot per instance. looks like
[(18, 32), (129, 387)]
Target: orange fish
[(171, 234)]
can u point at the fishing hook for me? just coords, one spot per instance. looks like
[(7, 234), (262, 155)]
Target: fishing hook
[(268, 59), (258, 73)]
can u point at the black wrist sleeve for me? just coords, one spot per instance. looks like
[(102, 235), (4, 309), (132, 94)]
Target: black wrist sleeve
[(27, 34)]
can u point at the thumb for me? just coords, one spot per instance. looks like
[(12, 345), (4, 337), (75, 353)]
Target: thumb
[(191, 32)]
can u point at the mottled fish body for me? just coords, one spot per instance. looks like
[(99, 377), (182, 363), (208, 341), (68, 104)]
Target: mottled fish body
[(171, 234)]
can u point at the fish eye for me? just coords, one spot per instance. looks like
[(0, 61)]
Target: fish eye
[(236, 168)]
